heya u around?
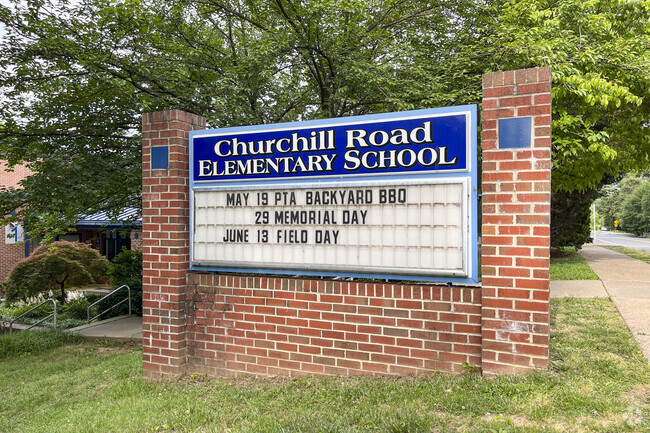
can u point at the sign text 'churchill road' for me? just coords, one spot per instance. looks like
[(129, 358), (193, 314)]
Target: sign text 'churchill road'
[(416, 144), (386, 196)]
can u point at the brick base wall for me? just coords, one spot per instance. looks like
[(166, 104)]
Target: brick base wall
[(291, 327)]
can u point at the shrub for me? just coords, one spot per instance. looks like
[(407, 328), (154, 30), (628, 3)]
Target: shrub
[(136, 302), (76, 309), (570, 218), (126, 269), (52, 267)]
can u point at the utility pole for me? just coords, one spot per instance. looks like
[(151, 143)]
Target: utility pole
[(593, 211)]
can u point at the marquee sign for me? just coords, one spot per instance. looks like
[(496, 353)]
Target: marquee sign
[(382, 196)]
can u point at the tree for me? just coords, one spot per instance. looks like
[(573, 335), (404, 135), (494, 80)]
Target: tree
[(598, 51), (55, 267), (610, 204), (77, 75), (570, 216), (635, 215)]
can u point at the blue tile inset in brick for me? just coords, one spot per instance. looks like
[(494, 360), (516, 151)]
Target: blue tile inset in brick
[(515, 133), (160, 157)]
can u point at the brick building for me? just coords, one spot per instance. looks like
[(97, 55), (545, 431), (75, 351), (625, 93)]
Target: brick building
[(96, 230), (10, 253)]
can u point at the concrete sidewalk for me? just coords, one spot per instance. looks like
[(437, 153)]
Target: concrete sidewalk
[(121, 328), (578, 289), (626, 282)]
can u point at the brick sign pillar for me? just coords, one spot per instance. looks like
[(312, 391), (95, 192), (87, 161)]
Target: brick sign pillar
[(516, 220), (166, 247)]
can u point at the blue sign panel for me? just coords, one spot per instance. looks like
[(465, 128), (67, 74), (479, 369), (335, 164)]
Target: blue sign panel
[(414, 142)]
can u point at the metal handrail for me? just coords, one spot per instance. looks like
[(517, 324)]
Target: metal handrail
[(109, 309), (11, 324)]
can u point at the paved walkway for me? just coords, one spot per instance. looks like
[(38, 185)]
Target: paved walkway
[(121, 328), (625, 280)]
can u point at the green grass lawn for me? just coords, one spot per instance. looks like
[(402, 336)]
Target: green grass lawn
[(569, 265), (632, 252), (598, 382)]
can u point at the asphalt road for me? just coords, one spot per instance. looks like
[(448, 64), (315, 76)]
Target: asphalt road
[(621, 239)]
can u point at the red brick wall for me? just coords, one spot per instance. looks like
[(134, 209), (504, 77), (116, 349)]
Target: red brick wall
[(291, 327), (10, 179), (10, 255), (136, 244), (516, 224), (165, 244)]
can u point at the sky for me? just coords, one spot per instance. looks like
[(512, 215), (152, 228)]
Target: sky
[(2, 26)]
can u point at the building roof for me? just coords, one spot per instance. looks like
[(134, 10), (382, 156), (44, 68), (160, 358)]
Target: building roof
[(129, 216)]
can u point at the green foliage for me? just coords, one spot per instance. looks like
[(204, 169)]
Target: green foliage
[(75, 309), (571, 218), (69, 315), (636, 210), (598, 51), (76, 76), (10, 312), (53, 267), (126, 268), (136, 302), (627, 201), (612, 197), (34, 342)]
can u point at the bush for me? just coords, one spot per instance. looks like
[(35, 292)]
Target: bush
[(76, 309), (52, 267), (9, 312), (136, 302), (69, 315), (126, 269), (570, 218)]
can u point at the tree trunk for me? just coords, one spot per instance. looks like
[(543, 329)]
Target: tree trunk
[(62, 284)]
